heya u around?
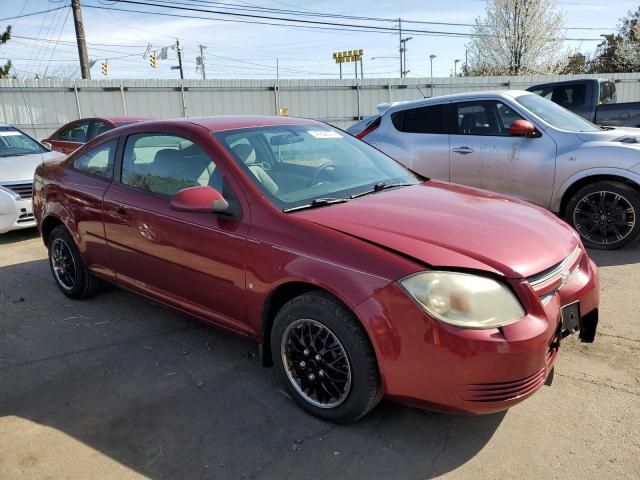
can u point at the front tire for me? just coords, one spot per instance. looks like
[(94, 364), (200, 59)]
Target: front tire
[(605, 214), (69, 271), (325, 359)]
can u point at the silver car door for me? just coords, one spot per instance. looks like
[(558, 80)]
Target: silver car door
[(485, 155)]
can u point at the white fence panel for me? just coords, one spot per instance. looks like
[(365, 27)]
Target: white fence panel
[(41, 106)]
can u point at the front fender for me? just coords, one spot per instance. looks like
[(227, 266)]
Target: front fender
[(633, 175)]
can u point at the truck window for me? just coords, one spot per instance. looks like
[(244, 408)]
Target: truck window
[(570, 96), (607, 92), (544, 92)]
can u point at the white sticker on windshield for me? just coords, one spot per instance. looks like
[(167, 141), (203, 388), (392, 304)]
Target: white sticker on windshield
[(324, 134), (10, 134)]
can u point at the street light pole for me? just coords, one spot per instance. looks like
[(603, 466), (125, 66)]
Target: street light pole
[(431, 57), (455, 67)]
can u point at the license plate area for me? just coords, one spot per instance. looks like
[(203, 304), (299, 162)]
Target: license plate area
[(570, 318)]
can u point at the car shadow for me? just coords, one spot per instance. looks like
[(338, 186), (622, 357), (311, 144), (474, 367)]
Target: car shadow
[(622, 256), (170, 397), (16, 236)]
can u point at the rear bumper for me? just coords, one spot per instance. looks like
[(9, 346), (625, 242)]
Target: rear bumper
[(15, 213), (427, 363)]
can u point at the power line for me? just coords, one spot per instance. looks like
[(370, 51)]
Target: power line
[(311, 13), (32, 13), (314, 24)]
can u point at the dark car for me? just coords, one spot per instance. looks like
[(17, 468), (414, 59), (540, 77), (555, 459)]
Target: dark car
[(593, 99), (359, 278), (75, 134)]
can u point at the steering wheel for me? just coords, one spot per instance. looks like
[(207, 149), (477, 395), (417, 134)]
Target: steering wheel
[(318, 173)]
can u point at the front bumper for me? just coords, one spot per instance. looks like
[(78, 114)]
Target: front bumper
[(15, 213), (427, 363)]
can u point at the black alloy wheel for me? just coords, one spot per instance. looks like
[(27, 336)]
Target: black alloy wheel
[(325, 358), (605, 214), (69, 271)]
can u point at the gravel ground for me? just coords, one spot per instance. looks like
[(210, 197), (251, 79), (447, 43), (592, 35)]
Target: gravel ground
[(120, 387)]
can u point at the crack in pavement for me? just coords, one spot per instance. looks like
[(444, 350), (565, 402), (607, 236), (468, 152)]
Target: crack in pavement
[(602, 384)]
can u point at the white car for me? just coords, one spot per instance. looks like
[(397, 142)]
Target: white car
[(19, 156)]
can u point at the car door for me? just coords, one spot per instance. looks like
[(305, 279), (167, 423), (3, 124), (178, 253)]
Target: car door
[(485, 155), (195, 261), (418, 138), (70, 138), (85, 183)]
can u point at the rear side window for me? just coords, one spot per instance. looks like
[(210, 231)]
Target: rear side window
[(76, 133), (98, 161), (430, 119)]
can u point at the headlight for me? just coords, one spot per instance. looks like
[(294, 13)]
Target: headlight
[(464, 300)]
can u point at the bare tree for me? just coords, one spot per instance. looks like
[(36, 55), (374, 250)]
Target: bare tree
[(517, 37)]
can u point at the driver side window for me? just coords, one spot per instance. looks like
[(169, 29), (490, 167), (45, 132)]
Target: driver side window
[(164, 164)]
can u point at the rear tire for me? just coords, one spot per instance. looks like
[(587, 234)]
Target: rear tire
[(67, 267), (605, 214), (325, 359)]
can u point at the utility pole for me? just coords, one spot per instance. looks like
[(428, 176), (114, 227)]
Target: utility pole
[(179, 58), (401, 49), (202, 62), (82, 44)]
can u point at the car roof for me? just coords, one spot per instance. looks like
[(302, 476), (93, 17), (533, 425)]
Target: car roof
[(233, 122), (125, 119), (456, 97)]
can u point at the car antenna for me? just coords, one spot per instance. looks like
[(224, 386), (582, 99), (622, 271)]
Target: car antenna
[(421, 92)]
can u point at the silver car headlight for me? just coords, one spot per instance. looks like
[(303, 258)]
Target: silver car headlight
[(464, 300)]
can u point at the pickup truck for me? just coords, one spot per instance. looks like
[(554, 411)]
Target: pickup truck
[(592, 99)]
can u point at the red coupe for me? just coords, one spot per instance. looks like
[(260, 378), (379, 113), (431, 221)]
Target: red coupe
[(358, 278), (74, 134)]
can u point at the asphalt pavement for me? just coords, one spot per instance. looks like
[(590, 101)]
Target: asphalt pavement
[(119, 387)]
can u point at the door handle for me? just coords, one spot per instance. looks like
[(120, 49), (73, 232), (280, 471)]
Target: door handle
[(463, 150), (121, 211)]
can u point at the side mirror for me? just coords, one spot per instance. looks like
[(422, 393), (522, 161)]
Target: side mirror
[(199, 199), (522, 128), (47, 145)]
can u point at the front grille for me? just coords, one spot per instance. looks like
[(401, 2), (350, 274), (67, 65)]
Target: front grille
[(503, 391), (561, 272), (25, 190)]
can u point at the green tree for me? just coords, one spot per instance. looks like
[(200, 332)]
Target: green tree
[(4, 38)]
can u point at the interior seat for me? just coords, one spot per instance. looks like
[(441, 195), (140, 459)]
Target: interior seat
[(247, 155)]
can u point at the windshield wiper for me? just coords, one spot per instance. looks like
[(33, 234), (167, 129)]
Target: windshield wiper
[(317, 202), (380, 186)]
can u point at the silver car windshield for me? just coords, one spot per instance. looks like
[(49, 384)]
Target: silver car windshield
[(15, 143), (295, 165), (555, 115)]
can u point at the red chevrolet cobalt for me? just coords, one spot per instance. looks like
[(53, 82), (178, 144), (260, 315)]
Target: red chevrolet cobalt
[(358, 278)]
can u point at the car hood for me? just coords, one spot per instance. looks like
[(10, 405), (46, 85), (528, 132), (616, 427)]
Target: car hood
[(616, 134), (23, 167), (445, 225)]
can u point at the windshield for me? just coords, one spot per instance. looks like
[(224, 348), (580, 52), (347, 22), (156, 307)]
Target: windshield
[(15, 143), (297, 164), (555, 115)]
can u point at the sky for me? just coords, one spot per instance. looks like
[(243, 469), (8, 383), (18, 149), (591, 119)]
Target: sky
[(44, 44)]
